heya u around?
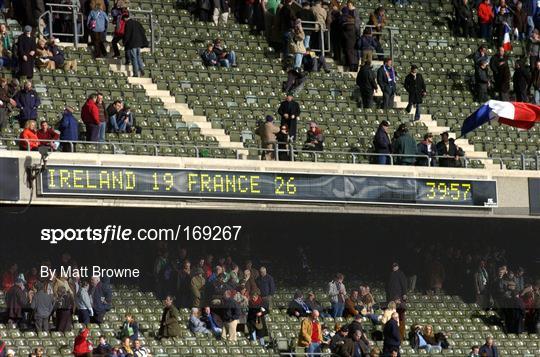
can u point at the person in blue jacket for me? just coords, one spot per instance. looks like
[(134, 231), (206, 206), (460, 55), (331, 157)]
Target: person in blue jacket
[(69, 130), (97, 24), (27, 101)]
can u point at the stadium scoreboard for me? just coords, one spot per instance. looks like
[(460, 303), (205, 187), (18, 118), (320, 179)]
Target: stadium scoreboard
[(266, 186)]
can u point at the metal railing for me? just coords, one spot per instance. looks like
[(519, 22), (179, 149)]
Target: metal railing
[(152, 22), (386, 31), (315, 27), (77, 20)]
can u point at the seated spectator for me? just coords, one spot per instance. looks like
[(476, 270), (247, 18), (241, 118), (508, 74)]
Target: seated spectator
[(314, 304), (103, 348), (69, 130), (426, 147), (139, 350), (82, 346), (475, 352), (225, 57), (47, 133), (367, 299), (44, 56), (208, 56), (367, 45), (27, 101), (125, 348), (314, 63), (295, 81), (352, 307), (58, 57), (256, 320), (123, 121), (195, 324), (39, 352), (430, 340), (130, 328), (6, 45), (315, 138), (297, 307), (212, 321), (29, 133), (449, 150)]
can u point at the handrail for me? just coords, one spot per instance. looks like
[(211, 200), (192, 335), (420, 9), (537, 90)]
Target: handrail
[(322, 32), (65, 9)]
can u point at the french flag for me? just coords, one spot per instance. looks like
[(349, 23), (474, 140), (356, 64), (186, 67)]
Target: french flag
[(507, 44), (516, 114)]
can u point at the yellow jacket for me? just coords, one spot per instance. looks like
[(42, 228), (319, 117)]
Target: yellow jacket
[(306, 329)]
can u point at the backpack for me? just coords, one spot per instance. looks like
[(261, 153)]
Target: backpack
[(120, 28)]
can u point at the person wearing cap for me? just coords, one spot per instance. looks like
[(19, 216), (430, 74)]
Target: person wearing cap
[(365, 80), (426, 147), (416, 87), (289, 110), (483, 81), (69, 129), (26, 51), (386, 78), (449, 150), (382, 144), (314, 138), (267, 131), (396, 287)]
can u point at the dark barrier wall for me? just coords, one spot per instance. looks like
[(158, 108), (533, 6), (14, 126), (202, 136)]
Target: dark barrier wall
[(9, 179)]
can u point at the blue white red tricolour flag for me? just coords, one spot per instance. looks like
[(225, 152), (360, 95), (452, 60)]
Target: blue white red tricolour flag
[(507, 44), (517, 114)]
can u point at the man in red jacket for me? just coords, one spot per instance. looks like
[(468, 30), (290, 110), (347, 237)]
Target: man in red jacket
[(90, 117), (485, 19), (47, 133)]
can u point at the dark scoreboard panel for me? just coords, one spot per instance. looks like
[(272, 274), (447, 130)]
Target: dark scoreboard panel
[(208, 184)]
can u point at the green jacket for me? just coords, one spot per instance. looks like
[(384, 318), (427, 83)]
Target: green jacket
[(169, 323), (406, 145)]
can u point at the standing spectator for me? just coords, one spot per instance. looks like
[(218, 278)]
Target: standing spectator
[(337, 293), (27, 101), (16, 300), (90, 117), (267, 131), (256, 320), (314, 138), (97, 24), (248, 281), (134, 40), (29, 139), (310, 336), (198, 283), (465, 19), (404, 145), (382, 144), (26, 51), (321, 16), (289, 110), (100, 299), (392, 337), (378, 20), (42, 305), (82, 347), (69, 130), (367, 45), (350, 37), (118, 13), (267, 287), (486, 16), (386, 78), (48, 134), (397, 284), (449, 150), (9, 277), (416, 87), (503, 18), (489, 349), (437, 274), (482, 80), (5, 101), (102, 117), (307, 14), (221, 12), (520, 21), (6, 43), (501, 74), (296, 44), (522, 82), (534, 47), (169, 326), (365, 80), (231, 316), (426, 147), (480, 55), (64, 305), (130, 328), (204, 9), (84, 304)]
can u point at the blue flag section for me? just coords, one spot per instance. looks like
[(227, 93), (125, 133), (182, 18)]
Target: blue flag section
[(481, 116)]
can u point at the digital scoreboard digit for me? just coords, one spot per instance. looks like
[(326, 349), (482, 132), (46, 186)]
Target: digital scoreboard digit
[(211, 184)]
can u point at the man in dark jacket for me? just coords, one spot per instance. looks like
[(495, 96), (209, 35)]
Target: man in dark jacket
[(16, 301), (289, 110), (522, 81), (501, 74), (26, 50), (100, 300), (27, 101), (135, 39), (169, 326), (391, 335), (365, 80), (482, 80), (297, 307), (27, 12), (386, 78), (267, 287), (5, 100), (489, 349), (448, 148), (295, 81), (397, 284), (405, 145), (535, 82), (69, 129), (416, 87), (354, 345), (212, 321), (382, 144), (367, 45), (306, 14), (230, 316), (426, 147), (42, 305), (465, 19)]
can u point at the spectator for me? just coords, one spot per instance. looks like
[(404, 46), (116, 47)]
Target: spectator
[(283, 147), (286, 17), (26, 51), (58, 57), (503, 18), (397, 284), (42, 305), (321, 16), (475, 352), (84, 304), (307, 14), (130, 328), (230, 316), (5, 101), (221, 12), (169, 326), (432, 344), (225, 57), (437, 274), (44, 56), (337, 342), (377, 19), (534, 47), (313, 304), (426, 147), (337, 293), (204, 8), (386, 78), (314, 138), (295, 81), (209, 57), (486, 16), (123, 121), (267, 287), (64, 306), (103, 348), (29, 139), (357, 344), (16, 300), (134, 40), (310, 336), (118, 13), (27, 101), (489, 349), (197, 287), (82, 347), (522, 82), (195, 325), (97, 24), (352, 305), (289, 110), (392, 337), (350, 36), (312, 63), (382, 144), (501, 74), (139, 350), (483, 82), (367, 45), (404, 145), (365, 80), (212, 321), (267, 131), (480, 55), (297, 307), (465, 19), (519, 21), (125, 348), (13, 87), (416, 87), (449, 150), (47, 133), (6, 43), (102, 113), (100, 300), (69, 130), (296, 44), (256, 320), (90, 117), (249, 282)]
